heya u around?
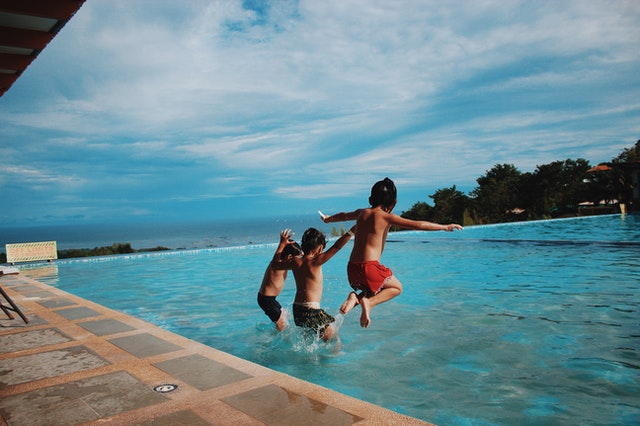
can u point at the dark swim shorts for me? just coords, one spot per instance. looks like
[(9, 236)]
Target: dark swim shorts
[(270, 306), (316, 319)]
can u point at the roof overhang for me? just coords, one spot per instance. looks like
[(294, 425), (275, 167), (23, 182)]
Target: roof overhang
[(26, 27), (599, 168), (605, 167)]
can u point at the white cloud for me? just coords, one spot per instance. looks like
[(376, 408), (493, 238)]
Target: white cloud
[(38, 178), (334, 94)]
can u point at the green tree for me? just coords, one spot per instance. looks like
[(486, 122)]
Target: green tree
[(615, 180), (624, 178), (498, 194), (337, 233), (600, 186), (419, 211), (555, 188), (629, 155), (449, 205)]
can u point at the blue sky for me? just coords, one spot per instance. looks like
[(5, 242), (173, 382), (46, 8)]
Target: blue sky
[(154, 110)]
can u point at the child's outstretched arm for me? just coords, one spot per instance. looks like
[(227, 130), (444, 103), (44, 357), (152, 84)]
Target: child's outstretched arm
[(340, 217), (421, 225), (340, 242)]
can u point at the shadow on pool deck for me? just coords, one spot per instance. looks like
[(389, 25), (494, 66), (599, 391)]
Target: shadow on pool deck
[(77, 362)]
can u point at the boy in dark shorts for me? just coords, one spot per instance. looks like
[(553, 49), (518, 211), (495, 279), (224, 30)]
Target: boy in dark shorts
[(307, 271), (273, 281)]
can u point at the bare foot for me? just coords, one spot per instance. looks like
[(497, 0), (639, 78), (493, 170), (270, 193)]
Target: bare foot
[(352, 300), (364, 317)]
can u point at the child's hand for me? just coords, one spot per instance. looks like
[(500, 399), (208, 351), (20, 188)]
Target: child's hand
[(452, 226), (323, 216), (286, 235)]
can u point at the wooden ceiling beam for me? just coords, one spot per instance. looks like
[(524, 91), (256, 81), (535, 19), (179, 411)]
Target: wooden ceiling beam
[(13, 62), (61, 10), (24, 39)]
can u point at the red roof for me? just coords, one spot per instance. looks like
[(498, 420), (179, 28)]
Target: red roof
[(599, 168), (26, 27)]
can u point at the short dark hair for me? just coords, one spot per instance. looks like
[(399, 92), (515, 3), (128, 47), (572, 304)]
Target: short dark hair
[(383, 193), (311, 239), (292, 249)]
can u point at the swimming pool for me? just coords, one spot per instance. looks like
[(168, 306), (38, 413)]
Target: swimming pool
[(532, 323)]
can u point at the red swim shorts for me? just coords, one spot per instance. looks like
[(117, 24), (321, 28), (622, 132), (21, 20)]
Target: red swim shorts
[(368, 276)]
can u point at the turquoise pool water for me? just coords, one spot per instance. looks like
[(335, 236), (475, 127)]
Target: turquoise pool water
[(532, 323)]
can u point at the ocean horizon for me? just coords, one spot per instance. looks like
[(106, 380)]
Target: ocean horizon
[(189, 234), (186, 235)]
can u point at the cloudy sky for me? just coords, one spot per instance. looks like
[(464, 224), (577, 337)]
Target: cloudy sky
[(161, 110)]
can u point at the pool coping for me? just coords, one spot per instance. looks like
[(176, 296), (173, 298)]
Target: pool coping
[(77, 362)]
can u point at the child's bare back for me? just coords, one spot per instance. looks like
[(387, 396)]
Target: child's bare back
[(307, 271), (273, 281), (376, 282)]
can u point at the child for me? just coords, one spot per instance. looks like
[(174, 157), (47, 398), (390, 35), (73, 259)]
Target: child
[(307, 271), (375, 281), (273, 281)]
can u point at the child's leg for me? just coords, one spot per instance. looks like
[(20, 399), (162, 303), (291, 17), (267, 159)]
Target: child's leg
[(281, 324), (328, 333), (352, 300), (392, 288), (331, 333)]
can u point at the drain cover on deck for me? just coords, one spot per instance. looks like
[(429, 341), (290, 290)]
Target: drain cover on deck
[(165, 388)]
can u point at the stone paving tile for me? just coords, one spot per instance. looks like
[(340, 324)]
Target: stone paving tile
[(45, 407), (115, 393), (32, 339), (144, 345), (105, 327), (43, 294), (24, 288), (42, 365), (56, 303), (201, 372), (79, 401), (77, 313), (277, 406)]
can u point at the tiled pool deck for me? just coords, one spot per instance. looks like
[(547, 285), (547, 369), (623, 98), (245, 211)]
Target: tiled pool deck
[(77, 362)]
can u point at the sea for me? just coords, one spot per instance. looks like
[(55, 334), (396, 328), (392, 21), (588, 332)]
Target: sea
[(187, 235)]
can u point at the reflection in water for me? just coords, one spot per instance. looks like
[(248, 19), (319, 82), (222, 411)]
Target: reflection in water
[(45, 272)]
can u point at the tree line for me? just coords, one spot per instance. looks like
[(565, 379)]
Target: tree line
[(117, 248), (505, 194)]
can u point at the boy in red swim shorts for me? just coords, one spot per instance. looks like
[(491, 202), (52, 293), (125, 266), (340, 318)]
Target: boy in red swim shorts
[(376, 283)]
